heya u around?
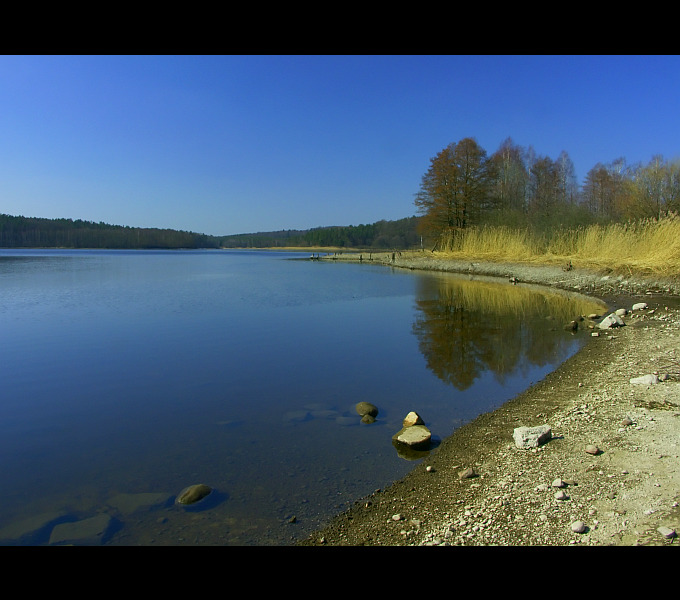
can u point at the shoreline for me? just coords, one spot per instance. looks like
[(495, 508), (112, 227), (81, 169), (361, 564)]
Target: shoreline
[(625, 495)]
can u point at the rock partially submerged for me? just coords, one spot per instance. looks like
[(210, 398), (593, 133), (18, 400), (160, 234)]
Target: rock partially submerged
[(367, 411), (127, 504), (532, 437), (415, 436), (414, 432)]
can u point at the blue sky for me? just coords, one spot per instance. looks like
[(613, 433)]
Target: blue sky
[(238, 144)]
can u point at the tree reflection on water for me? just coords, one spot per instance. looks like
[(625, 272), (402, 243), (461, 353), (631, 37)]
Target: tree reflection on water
[(466, 327)]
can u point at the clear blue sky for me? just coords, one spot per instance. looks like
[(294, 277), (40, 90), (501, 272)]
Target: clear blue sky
[(238, 144)]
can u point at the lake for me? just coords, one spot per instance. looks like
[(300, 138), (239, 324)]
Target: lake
[(130, 375)]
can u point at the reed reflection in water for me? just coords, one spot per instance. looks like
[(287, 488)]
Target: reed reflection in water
[(466, 327)]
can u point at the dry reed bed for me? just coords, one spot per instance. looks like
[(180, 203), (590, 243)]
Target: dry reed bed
[(647, 246)]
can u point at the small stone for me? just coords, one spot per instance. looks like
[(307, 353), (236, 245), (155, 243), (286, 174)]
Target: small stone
[(650, 379), (558, 483), (578, 526), (592, 449), (666, 532), (626, 422), (571, 326), (429, 468), (467, 473), (561, 495), (412, 418), (397, 517)]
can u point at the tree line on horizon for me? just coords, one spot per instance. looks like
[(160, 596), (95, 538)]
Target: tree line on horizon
[(465, 187), (36, 232)]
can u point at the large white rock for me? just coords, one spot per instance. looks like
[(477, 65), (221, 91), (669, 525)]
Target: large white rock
[(612, 320), (414, 436), (645, 380), (532, 437)]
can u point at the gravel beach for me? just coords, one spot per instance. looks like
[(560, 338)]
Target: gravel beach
[(608, 476)]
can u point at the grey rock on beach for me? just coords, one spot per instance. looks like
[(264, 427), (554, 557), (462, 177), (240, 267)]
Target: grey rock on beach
[(532, 437)]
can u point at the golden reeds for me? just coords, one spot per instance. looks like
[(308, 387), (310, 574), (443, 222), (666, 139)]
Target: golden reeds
[(645, 246)]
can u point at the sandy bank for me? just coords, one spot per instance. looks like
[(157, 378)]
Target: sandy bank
[(627, 494)]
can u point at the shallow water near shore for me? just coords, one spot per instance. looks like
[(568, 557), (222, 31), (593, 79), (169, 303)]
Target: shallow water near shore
[(134, 374)]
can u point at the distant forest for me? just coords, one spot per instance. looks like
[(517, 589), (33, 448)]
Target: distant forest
[(399, 234), (34, 232), (463, 188)]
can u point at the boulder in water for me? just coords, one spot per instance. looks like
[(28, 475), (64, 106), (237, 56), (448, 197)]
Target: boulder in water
[(193, 494), (366, 408), (415, 436)]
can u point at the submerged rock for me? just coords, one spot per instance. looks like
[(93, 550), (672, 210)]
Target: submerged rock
[(193, 494), (366, 408), (127, 504), (87, 532), (30, 530)]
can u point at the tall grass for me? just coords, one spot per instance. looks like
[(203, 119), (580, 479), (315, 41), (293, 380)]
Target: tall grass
[(647, 246)]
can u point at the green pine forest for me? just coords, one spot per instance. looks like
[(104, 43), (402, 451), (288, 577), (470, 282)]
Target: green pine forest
[(33, 232)]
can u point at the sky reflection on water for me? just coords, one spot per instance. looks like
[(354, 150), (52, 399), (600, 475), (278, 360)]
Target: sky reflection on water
[(139, 372)]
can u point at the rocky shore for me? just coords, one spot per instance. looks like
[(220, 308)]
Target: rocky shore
[(608, 474)]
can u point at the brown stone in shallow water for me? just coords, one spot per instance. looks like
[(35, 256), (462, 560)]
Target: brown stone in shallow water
[(193, 494), (366, 408)]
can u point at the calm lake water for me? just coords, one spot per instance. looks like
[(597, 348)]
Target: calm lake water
[(128, 375)]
